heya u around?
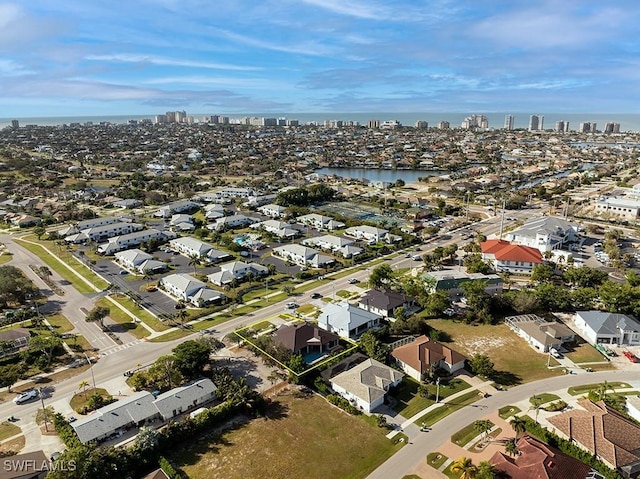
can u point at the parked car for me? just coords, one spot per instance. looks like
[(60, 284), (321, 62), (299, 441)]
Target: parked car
[(449, 312), (316, 296), (354, 281), (26, 396), (292, 305)]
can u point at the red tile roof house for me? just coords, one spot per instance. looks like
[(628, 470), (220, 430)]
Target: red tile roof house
[(538, 460), (417, 358), (509, 257), (604, 432)]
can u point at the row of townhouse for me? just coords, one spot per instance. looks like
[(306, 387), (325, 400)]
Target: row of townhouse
[(127, 241), (92, 223), (372, 234), (103, 232), (336, 244), (320, 222), (190, 290), (278, 228), (303, 256), (233, 221), (272, 210), (190, 247), (183, 206), (236, 271), (139, 261)]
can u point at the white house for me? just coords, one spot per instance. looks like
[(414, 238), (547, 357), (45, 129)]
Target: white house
[(234, 221), (273, 210), (320, 222), (540, 334), (188, 246), (236, 270), (103, 232), (278, 228), (214, 211), (87, 224), (138, 260), (183, 206), (120, 243), (623, 208), (608, 328), (513, 258), (347, 320), (182, 222), (302, 255), (187, 288), (181, 399), (545, 233), (371, 234), (366, 384), (335, 244)]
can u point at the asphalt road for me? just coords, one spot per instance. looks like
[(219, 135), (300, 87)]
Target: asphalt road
[(407, 458)]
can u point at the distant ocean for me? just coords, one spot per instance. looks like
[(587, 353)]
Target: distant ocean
[(628, 122)]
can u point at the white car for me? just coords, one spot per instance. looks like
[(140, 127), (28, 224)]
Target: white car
[(354, 281), (26, 396), (292, 305)]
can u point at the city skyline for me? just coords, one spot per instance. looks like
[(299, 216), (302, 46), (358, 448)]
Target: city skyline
[(78, 58)]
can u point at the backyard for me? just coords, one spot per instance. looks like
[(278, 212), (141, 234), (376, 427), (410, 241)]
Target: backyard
[(515, 361), (303, 437)]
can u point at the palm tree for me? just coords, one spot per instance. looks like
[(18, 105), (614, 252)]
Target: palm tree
[(536, 402), (511, 448), (486, 470), (602, 390), (194, 260), (465, 467), (483, 426), (519, 425), (83, 386)]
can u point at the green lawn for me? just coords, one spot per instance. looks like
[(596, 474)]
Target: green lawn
[(508, 411), (448, 408), (80, 400), (583, 352), (409, 402), (79, 343), (5, 258), (466, 434), (435, 459), (515, 361), (306, 308), (171, 335), (7, 430), (60, 323), (123, 319), (302, 437), (544, 398), (585, 388), (140, 313)]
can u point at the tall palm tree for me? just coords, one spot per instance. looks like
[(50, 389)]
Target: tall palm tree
[(483, 426), (465, 467), (519, 425), (194, 260), (486, 470), (83, 386)]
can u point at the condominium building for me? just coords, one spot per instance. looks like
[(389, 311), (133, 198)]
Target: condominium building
[(508, 122)]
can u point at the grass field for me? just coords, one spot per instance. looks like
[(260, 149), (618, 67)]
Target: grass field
[(5, 258), (543, 398), (508, 411), (15, 445), (60, 323), (448, 408), (171, 335), (435, 459), (124, 320), (80, 400), (583, 352), (409, 402), (515, 361), (142, 314), (306, 438), (7, 430), (465, 435), (585, 388)]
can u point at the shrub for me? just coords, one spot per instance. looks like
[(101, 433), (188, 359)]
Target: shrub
[(556, 406), (343, 404)]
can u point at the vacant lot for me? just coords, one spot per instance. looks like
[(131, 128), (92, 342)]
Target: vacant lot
[(307, 438), (511, 355), (583, 352)]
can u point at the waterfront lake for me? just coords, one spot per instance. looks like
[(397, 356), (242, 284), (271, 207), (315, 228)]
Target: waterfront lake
[(371, 174)]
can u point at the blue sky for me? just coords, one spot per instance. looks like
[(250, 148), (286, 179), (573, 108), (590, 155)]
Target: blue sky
[(86, 57)]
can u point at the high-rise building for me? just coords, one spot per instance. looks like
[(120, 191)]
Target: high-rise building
[(475, 121), (15, 124), (373, 124), (562, 126), (508, 122), (588, 127), (422, 124), (612, 127), (444, 125), (536, 123)]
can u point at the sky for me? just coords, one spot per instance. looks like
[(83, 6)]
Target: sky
[(90, 57)]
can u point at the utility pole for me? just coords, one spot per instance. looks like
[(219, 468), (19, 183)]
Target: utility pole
[(93, 378), (437, 390), (44, 410), (504, 202)]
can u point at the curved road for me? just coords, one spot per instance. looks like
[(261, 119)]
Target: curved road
[(414, 453)]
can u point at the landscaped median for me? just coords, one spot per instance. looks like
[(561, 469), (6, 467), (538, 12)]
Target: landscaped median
[(410, 401), (447, 408)]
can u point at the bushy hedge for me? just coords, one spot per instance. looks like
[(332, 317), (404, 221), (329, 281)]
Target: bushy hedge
[(343, 404), (64, 430), (168, 469), (570, 449), (556, 406)]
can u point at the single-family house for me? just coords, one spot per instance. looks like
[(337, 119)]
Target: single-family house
[(12, 340), (128, 203), (184, 398), (187, 288), (273, 210), (450, 282), (608, 328), (303, 255), (384, 302), (347, 320), (512, 258), (540, 334), (537, 460), (29, 465), (366, 384), (545, 233), (605, 433), (278, 228), (135, 239), (423, 355), (305, 338)]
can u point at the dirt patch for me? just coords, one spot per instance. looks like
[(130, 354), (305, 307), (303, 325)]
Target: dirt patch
[(483, 345)]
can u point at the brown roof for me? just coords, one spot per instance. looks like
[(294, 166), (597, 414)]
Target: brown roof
[(157, 474), (538, 460), (423, 352), (505, 251), (25, 466), (296, 336), (603, 431), (13, 334)]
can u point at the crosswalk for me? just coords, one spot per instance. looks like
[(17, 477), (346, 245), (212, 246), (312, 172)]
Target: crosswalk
[(120, 347)]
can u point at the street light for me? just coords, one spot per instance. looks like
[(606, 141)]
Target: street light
[(44, 410), (437, 390), (93, 378)]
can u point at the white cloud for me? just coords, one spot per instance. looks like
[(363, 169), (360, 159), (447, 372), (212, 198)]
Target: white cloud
[(305, 48), (11, 68), (157, 60)]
